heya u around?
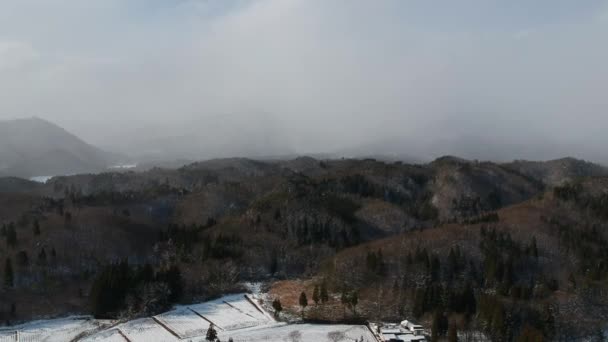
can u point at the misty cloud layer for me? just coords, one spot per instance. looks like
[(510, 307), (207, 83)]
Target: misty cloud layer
[(302, 76)]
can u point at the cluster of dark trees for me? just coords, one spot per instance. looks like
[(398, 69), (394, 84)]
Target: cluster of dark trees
[(596, 204), (120, 288), (505, 321), (588, 244), (9, 232), (482, 218), (494, 290), (375, 262), (359, 185), (418, 206), (185, 237), (312, 229), (505, 261)]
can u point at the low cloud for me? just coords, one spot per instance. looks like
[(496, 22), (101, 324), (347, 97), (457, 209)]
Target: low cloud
[(310, 76)]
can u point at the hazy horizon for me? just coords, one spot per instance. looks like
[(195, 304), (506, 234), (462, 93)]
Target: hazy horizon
[(480, 79)]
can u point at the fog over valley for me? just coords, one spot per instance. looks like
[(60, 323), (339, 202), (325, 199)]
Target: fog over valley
[(200, 79)]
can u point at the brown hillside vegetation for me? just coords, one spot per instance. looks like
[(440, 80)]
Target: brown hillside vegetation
[(563, 279)]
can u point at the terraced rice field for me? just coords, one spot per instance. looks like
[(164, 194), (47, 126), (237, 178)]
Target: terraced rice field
[(236, 316)]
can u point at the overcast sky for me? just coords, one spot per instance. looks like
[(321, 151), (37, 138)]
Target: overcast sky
[(310, 75)]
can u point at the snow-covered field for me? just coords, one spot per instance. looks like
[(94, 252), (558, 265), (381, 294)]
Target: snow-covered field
[(55, 330), (239, 317), (308, 332), (184, 322), (146, 329)]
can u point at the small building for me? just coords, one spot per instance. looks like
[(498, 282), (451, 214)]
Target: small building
[(399, 333), (414, 328)]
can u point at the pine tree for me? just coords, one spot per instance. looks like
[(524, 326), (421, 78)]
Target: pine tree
[(468, 300), (36, 227), (211, 333), (380, 268), (344, 301), (354, 300), (435, 328), (534, 247), (303, 302), (274, 262), (42, 257), (315, 295), (324, 294), (11, 235), (277, 306), (22, 259), (9, 277)]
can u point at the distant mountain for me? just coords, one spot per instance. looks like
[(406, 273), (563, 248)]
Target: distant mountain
[(35, 147), (558, 171), (14, 184)]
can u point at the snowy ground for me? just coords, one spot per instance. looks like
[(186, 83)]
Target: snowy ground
[(309, 332), (41, 179), (55, 330), (238, 316)]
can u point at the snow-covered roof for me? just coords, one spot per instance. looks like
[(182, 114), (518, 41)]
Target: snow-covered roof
[(388, 337)]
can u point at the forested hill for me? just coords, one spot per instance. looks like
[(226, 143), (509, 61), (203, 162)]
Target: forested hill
[(502, 232)]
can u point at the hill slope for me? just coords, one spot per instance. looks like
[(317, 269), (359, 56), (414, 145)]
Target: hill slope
[(229, 219), (557, 171), (35, 147)]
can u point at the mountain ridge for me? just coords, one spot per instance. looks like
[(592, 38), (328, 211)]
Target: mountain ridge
[(36, 147)]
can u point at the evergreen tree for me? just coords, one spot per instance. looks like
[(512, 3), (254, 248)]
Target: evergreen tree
[(316, 297), (173, 278), (110, 289), (277, 306), (9, 277), (303, 302), (435, 328), (22, 259), (381, 267), (11, 235), (354, 300), (344, 301), (42, 257), (419, 303), (439, 325), (548, 321), (468, 300), (211, 333), (324, 294), (452, 266), (534, 248), (36, 228), (274, 262)]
